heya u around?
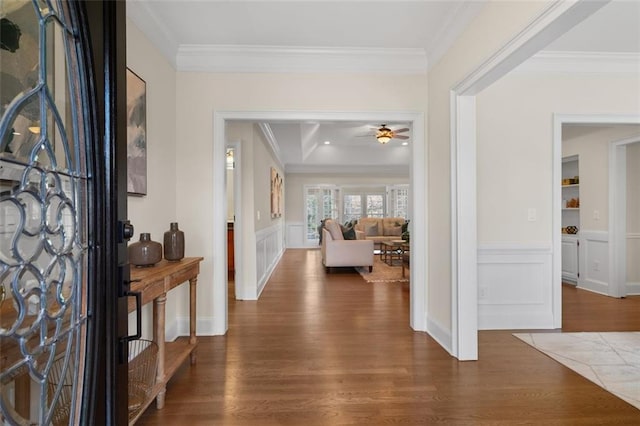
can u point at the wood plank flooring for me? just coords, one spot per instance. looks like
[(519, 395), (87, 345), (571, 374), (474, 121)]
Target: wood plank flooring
[(321, 349)]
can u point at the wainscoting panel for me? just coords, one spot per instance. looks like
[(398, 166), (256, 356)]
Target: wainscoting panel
[(269, 250), (633, 265), (594, 261), (295, 235), (514, 286)]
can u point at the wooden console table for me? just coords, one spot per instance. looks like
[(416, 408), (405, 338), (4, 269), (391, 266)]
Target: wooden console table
[(154, 283)]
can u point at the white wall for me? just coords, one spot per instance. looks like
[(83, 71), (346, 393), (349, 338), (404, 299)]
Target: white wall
[(154, 212), (497, 23), (514, 169), (633, 213), (260, 236)]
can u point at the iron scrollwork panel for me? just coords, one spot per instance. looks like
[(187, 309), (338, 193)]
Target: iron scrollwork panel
[(44, 243)]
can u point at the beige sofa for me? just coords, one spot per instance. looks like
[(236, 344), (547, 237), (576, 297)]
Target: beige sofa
[(379, 229), (338, 252)]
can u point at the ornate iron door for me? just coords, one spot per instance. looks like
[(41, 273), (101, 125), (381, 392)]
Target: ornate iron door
[(58, 346)]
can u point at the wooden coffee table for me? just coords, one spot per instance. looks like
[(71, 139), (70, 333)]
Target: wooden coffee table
[(391, 252)]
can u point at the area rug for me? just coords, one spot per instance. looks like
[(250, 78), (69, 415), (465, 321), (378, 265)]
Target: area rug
[(610, 360), (383, 273)]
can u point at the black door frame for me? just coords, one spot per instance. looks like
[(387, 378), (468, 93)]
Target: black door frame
[(105, 400)]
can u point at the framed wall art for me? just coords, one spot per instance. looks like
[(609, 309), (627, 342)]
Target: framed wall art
[(136, 134), (276, 193)]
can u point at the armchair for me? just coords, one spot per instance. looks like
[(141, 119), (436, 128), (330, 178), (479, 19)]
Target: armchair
[(336, 251)]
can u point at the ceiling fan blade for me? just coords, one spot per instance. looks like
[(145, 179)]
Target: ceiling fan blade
[(400, 137), (406, 129)]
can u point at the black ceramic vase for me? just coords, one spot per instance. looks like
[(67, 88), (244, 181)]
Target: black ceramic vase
[(174, 243), (145, 252)]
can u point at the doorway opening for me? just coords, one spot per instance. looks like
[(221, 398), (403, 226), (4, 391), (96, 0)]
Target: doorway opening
[(417, 178)]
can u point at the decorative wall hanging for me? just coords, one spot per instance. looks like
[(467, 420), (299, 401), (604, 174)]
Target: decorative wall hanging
[(136, 134), (276, 193)]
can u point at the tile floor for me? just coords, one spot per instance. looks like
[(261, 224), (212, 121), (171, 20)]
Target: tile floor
[(611, 360)]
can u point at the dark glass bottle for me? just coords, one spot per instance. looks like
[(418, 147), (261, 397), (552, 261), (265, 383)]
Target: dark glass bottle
[(174, 243), (145, 252)]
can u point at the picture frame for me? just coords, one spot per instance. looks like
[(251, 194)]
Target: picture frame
[(276, 193), (136, 134)]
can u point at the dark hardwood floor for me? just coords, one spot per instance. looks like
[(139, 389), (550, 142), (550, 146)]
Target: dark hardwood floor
[(320, 349)]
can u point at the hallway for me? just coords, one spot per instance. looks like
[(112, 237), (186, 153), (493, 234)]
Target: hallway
[(330, 349)]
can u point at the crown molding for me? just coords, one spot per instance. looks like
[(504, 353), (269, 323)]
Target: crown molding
[(279, 59), (272, 142), (455, 24), (581, 63), (373, 170), (154, 28)]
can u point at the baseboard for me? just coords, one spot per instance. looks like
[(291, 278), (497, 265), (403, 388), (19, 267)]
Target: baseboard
[(439, 334), (633, 289), (265, 279), (180, 327)]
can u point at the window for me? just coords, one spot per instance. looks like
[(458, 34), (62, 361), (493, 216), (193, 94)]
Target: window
[(352, 207), (399, 201), (364, 202), (321, 202)]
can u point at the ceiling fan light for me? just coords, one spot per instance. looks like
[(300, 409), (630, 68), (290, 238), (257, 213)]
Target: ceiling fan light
[(383, 139)]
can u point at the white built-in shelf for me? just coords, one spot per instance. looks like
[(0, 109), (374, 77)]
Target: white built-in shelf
[(575, 185), (571, 208)]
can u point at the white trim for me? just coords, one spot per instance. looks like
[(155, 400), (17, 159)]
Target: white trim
[(618, 286), (295, 236), (554, 20), (509, 298), (204, 327), (269, 250), (219, 238), (154, 28), (418, 291), (454, 24), (439, 333), (238, 228), (590, 278), (286, 59), (558, 62), (379, 170), (273, 143)]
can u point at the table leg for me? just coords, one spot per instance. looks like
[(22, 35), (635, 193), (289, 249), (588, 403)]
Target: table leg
[(192, 316), (158, 337)]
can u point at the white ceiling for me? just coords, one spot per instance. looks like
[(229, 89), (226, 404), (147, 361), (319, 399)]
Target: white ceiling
[(417, 28)]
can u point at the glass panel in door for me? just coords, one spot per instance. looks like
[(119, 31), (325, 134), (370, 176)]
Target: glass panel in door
[(44, 238)]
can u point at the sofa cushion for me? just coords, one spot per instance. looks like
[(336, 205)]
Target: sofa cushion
[(371, 230), (334, 229), (395, 231), (390, 224)]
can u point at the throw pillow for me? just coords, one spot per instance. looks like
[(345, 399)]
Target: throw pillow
[(349, 234), (371, 230), (334, 229), (394, 231)]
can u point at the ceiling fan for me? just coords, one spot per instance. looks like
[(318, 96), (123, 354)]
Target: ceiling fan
[(384, 134)]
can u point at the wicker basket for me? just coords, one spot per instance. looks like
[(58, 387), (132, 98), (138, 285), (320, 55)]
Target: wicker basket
[(143, 362)]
